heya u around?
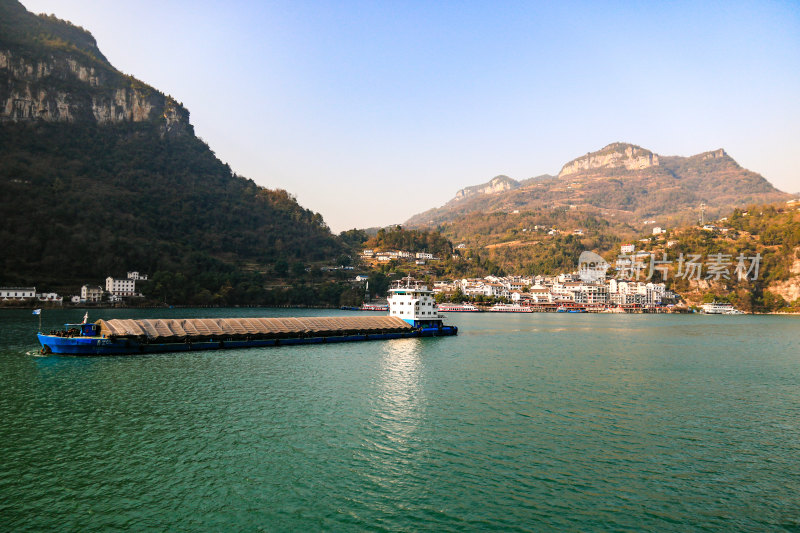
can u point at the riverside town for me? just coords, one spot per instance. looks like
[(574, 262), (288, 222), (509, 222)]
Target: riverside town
[(629, 288)]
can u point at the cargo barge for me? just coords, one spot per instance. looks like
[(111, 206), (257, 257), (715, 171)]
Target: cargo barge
[(413, 313)]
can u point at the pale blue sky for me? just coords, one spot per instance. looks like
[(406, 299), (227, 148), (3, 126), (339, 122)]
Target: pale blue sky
[(370, 112)]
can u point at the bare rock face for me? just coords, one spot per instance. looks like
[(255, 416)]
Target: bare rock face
[(789, 289), (65, 89), (613, 156), (716, 154), (495, 185)]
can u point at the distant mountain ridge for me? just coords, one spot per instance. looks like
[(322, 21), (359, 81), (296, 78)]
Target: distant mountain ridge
[(621, 180)]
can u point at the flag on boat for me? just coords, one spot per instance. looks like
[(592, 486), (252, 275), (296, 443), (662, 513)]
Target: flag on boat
[(86, 317), (37, 311)]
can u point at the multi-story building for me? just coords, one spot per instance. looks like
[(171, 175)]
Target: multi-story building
[(595, 293), (120, 287), (91, 293)]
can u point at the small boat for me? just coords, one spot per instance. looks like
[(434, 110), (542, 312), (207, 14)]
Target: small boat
[(366, 307), (510, 308), (375, 307), (458, 308), (720, 308)]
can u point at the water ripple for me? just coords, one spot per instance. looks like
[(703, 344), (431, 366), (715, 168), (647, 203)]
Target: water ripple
[(518, 424)]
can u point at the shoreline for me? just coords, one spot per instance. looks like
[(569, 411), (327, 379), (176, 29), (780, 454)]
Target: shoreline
[(103, 307)]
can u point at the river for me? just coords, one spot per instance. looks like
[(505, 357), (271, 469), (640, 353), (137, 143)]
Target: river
[(524, 422)]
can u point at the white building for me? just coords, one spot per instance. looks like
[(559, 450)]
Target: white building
[(594, 293), (424, 255), (17, 293), (91, 293), (49, 297), (120, 287), (541, 295), (627, 248), (658, 231), (134, 275)]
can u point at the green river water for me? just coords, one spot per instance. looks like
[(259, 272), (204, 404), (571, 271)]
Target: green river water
[(528, 422)]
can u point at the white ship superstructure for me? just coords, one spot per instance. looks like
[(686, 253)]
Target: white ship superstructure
[(413, 302)]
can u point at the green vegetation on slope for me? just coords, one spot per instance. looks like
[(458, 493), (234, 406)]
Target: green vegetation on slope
[(521, 242), (398, 238), (39, 36), (85, 201), (772, 231)]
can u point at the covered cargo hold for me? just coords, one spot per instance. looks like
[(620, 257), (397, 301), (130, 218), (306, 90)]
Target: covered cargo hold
[(248, 328)]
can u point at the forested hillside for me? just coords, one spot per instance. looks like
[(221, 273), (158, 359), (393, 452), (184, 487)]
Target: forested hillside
[(102, 174), (84, 201), (769, 232)]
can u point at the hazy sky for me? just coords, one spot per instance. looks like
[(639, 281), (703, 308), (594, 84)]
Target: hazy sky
[(370, 112)]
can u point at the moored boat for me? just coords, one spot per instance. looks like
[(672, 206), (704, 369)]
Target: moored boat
[(375, 307), (458, 308), (510, 308), (720, 308)]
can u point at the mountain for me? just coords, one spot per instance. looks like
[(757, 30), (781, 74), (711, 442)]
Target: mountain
[(103, 173), (620, 181), (496, 184)]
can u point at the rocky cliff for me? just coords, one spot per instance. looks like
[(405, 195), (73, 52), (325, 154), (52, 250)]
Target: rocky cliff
[(497, 184), (613, 156), (52, 71)]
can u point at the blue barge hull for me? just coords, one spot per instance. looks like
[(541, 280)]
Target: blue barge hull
[(84, 345)]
